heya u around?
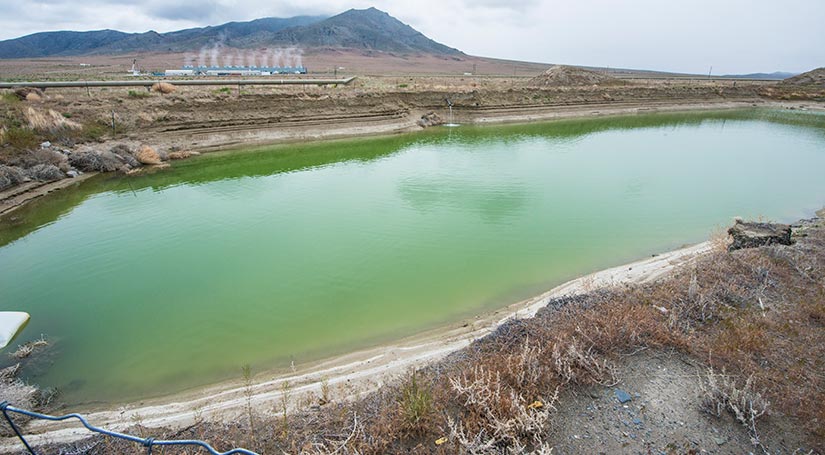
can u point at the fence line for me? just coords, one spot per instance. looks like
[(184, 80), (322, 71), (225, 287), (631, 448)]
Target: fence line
[(146, 442)]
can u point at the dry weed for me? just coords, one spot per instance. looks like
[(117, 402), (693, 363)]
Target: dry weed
[(721, 394), (25, 350), (49, 121), (499, 416), (578, 365)]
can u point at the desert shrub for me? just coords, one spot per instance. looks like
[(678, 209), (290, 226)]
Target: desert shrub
[(92, 132), (20, 138), (137, 94), (497, 416), (9, 98), (579, 365), (723, 394), (48, 120), (416, 403)]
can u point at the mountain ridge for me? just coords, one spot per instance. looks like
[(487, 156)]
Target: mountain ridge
[(367, 29)]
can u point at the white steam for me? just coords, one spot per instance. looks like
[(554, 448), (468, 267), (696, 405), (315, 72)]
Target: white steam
[(218, 54)]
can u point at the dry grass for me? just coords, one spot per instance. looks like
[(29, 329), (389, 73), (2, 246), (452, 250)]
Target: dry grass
[(25, 350), (48, 120), (21, 394)]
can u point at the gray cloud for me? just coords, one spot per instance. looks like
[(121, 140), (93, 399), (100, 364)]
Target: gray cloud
[(515, 5), (181, 11)]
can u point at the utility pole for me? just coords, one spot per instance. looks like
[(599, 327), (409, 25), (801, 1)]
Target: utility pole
[(710, 71)]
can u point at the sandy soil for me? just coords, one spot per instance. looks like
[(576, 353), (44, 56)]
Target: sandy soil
[(664, 412), (349, 376)]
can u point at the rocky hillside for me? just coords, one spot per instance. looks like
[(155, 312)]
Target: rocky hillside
[(66, 43), (363, 29), (368, 29), (813, 77)]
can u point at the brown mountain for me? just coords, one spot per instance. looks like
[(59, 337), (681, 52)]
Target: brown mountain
[(368, 29)]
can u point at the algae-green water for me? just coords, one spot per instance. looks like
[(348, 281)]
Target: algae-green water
[(150, 285)]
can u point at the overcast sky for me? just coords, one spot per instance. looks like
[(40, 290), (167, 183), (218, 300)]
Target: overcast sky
[(734, 36)]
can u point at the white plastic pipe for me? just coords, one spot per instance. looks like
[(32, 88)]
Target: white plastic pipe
[(11, 322)]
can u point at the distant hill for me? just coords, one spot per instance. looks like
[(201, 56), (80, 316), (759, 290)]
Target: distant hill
[(775, 76), (49, 44), (368, 29), (813, 77)]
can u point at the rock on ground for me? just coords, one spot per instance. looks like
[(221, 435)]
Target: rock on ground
[(24, 92), (10, 176), (430, 119), (113, 162), (147, 155), (41, 156), (163, 88), (125, 154), (91, 161), (86, 161), (751, 234), (45, 172)]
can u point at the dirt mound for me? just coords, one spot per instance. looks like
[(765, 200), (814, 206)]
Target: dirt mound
[(147, 155), (813, 77), (569, 76), (24, 92), (164, 88)]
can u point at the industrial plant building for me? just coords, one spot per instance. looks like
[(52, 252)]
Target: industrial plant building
[(235, 71)]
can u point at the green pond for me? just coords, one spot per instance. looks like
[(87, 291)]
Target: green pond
[(150, 285)]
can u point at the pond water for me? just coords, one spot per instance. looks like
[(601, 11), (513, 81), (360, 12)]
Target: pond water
[(153, 284)]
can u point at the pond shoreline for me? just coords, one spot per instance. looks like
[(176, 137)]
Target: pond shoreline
[(352, 375), (18, 196)]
